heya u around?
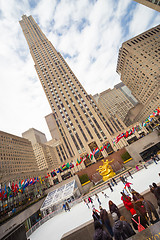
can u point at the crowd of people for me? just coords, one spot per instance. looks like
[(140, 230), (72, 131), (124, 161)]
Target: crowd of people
[(143, 213)]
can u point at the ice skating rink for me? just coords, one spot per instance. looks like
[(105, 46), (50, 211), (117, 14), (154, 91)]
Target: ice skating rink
[(79, 214)]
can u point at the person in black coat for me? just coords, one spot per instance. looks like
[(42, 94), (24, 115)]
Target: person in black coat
[(113, 208), (105, 220), (156, 192), (100, 234), (122, 230), (95, 215)]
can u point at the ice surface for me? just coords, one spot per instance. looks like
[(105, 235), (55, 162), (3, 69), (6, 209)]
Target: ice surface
[(79, 214)]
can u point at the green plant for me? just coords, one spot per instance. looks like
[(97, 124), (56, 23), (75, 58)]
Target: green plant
[(84, 178), (125, 156)]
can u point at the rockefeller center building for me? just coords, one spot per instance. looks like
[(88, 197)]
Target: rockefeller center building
[(78, 122)]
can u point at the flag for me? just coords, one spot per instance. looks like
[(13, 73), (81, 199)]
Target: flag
[(5, 192), (0, 193), (71, 165), (97, 150), (9, 190), (16, 188), (12, 187), (40, 180), (67, 165)]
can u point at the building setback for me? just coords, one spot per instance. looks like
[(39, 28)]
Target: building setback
[(46, 156), (138, 67), (115, 102), (154, 4), (80, 124)]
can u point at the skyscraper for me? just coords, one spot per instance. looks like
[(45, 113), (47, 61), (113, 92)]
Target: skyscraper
[(154, 4), (80, 124), (138, 66)]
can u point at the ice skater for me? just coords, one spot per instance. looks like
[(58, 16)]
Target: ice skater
[(67, 206), (86, 202), (128, 185), (98, 199), (154, 159), (129, 173), (109, 185), (105, 195), (114, 181)]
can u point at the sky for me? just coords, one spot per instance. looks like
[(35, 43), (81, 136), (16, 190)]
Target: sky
[(88, 34)]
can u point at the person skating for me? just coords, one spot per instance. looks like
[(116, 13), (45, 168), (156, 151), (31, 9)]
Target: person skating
[(100, 234), (126, 201), (98, 199), (122, 179), (150, 209), (105, 195), (114, 209), (154, 159), (64, 207), (105, 220), (67, 206), (114, 181), (128, 185), (86, 202), (129, 173), (109, 185)]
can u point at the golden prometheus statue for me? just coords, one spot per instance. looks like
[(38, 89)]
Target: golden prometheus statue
[(106, 170)]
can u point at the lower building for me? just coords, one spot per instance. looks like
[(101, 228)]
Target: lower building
[(17, 159)]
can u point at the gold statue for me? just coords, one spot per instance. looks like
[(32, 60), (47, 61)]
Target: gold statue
[(106, 170)]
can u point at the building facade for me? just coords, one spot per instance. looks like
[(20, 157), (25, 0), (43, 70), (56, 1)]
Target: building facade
[(17, 160), (115, 102), (80, 124), (46, 155), (138, 67), (154, 4)]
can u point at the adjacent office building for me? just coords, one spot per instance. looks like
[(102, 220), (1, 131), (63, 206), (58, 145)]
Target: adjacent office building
[(138, 67), (154, 4), (17, 160), (80, 124), (46, 156), (115, 102)]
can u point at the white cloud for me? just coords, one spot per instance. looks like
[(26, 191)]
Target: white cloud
[(91, 32)]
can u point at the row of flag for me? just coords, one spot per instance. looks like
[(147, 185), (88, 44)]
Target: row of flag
[(138, 127), (14, 188), (79, 161)]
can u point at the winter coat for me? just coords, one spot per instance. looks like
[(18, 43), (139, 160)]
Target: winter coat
[(122, 230), (95, 216), (156, 192), (101, 235), (136, 196), (148, 206), (114, 208), (127, 202), (104, 215), (143, 221)]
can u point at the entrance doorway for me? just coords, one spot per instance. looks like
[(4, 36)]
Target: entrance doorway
[(146, 155), (98, 156)]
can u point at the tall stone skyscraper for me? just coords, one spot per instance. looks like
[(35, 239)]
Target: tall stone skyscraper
[(138, 67), (81, 125)]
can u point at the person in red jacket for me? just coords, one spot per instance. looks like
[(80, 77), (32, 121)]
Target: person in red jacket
[(126, 201)]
